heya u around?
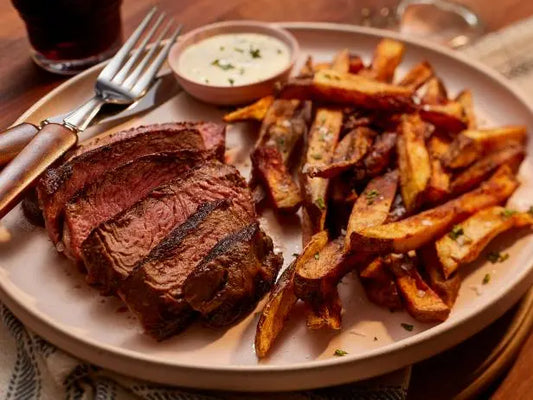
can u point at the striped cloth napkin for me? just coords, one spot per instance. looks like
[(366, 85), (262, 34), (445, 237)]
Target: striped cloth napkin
[(33, 369)]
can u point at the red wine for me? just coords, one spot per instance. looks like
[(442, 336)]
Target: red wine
[(71, 29)]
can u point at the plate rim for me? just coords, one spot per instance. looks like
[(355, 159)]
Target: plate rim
[(503, 299)]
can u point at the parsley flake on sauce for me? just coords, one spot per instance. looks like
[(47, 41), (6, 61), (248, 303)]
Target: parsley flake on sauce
[(255, 53), (486, 279), (222, 65), (407, 327), (340, 353)]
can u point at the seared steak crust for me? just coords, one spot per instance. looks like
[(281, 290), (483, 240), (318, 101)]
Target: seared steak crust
[(114, 248), (153, 291), (117, 190), (233, 277), (59, 184)]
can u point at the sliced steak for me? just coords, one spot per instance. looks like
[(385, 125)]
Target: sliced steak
[(233, 277), (117, 190), (59, 184), (154, 290), (113, 249)]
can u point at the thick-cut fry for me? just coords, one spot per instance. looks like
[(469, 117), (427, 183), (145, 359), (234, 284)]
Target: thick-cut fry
[(421, 302), (380, 285), (350, 151), (255, 111), (341, 62), (356, 64), (434, 92), (413, 161), (438, 187), (387, 57), (466, 241), (417, 76), (414, 232), (321, 142), (327, 314), (471, 145), (378, 158), (481, 169), (349, 89), (447, 118), (372, 207), (465, 99), (283, 127), (282, 299), (447, 289)]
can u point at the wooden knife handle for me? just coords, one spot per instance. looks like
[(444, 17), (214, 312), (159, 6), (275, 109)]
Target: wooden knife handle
[(50, 143), (13, 140)]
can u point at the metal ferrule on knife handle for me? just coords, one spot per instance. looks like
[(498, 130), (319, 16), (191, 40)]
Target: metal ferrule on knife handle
[(52, 141)]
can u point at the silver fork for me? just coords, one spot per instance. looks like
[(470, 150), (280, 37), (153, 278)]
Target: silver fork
[(125, 79)]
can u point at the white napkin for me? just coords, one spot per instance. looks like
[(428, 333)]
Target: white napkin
[(32, 369)]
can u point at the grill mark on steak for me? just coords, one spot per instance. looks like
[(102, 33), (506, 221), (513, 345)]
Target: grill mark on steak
[(154, 290), (59, 184), (233, 277), (117, 190), (113, 249)]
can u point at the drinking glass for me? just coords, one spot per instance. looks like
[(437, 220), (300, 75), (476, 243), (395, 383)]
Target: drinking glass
[(68, 36)]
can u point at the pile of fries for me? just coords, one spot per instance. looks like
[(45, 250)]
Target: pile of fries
[(395, 182)]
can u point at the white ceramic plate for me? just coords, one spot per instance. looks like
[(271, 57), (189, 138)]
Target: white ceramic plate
[(47, 293)]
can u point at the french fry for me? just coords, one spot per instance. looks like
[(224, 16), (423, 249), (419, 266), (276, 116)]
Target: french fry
[(372, 207), (413, 161), (413, 232), (326, 314), (470, 145), (255, 111), (421, 302), (341, 190), (481, 169), (379, 284), (320, 146), (464, 242), (350, 151), (438, 187), (434, 92), (378, 158), (341, 62), (465, 100), (447, 289), (349, 89), (356, 64), (283, 127), (447, 118), (282, 299), (387, 57), (417, 76)]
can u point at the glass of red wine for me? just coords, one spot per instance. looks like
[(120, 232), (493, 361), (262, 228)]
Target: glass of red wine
[(68, 36)]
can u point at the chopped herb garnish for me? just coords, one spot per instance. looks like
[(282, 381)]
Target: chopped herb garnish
[(320, 203), (255, 53), (317, 156), (222, 48), (495, 257), (456, 232), (508, 213), (371, 196), (241, 71), (375, 339), (328, 76), (407, 327), (281, 141), (238, 49), (206, 80), (278, 51), (486, 279), (317, 256), (231, 81), (295, 254), (340, 353), (224, 66)]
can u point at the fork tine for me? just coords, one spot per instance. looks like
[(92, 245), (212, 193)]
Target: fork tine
[(121, 75), (116, 62), (132, 78), (147, 77)]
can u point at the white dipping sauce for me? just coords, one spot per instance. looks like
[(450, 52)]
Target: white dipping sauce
[(234, 59)]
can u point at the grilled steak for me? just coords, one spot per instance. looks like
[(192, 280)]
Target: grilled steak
[(233, 277), (153, 291), (59, 184), (117, 190), (113, 249)]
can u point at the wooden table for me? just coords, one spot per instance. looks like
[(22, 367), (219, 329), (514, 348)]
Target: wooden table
[(22, 83)]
